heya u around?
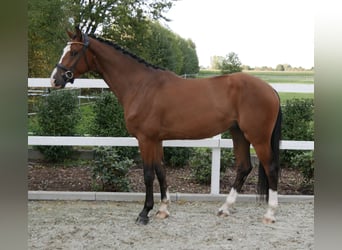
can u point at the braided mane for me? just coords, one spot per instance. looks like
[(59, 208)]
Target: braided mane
[(125, 52)]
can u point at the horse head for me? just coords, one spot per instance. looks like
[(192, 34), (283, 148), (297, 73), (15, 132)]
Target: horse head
[(75, 60)]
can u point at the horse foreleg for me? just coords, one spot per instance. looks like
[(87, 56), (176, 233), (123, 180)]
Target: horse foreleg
[(152, 154), (149, 202), (164, 192)]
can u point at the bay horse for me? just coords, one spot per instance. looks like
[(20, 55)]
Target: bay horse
[(159, 105)]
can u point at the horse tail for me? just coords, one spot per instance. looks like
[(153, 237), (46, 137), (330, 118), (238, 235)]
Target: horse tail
[(263, 185)]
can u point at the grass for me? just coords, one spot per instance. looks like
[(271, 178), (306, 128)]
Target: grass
[(302, 77), (295, 77), (288, 96)]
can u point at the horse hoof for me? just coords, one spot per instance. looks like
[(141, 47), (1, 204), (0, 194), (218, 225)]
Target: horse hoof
[(142, 220), (222, 213), (162, 214), (268, 220)]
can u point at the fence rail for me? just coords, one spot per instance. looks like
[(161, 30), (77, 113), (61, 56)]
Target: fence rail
[(99, 83), (216, 143)]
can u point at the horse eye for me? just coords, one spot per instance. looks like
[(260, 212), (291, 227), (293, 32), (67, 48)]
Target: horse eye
[(73, 53)]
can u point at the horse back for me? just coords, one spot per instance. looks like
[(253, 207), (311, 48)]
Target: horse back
[(176, 108)]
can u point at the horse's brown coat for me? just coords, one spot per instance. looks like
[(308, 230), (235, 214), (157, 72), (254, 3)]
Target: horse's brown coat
[(159, 105)]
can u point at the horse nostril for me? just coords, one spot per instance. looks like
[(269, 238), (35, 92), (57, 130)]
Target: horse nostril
[(53, 82)]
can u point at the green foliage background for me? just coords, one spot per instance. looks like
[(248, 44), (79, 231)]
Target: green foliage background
[(58, 115), (109, 121), (298, 124), (132, 24)]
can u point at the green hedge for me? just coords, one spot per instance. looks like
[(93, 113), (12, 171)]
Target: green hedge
[(109, 121), (298, 124), (177, 157), (110, 170), (58, 115), (200, 163)]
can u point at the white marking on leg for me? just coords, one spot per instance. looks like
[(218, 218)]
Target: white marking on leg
[(272, 206), (232, 196), (230, 201), (65, 51), (273, 198), (162, 211)]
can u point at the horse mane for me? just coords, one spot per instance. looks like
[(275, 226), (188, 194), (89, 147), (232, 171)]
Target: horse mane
[(125, 52)]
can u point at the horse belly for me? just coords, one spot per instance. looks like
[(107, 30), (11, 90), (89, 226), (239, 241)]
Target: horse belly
[(196, 112), (195, 126)]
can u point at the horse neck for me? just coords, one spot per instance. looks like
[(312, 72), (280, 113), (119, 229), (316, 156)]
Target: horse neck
[(121, 72)]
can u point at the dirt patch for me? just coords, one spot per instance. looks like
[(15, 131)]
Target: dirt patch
[(191, 225), (61, 177)]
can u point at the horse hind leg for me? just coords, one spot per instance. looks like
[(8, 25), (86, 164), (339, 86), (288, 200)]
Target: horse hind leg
[(268, 181), (269, 168), (243, 165)]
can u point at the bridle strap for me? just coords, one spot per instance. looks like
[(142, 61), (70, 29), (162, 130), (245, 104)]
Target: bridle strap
[(69, 74), (69, 43)]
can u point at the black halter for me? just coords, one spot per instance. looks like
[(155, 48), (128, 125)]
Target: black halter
[(68, 75)]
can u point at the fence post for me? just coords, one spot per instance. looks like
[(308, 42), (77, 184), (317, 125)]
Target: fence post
[(215, 168)]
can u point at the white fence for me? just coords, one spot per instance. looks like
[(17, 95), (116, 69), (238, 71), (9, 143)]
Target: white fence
[(216, 143)]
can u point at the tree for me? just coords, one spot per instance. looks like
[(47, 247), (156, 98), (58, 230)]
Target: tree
[(130, 23), (216, 61), (160, 46), (166, 49), (280, 67), (46, 35), (230, 64), (93, 15), (190, 59)]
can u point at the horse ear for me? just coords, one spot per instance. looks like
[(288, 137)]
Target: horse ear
[(70, 34), (78, 32), (77, 28)]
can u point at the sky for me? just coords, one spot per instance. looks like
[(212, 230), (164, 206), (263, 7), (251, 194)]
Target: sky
[(260, 32)]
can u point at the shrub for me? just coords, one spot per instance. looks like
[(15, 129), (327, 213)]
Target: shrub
[(298, 125), (58, 115), (109, 121), (108, 116), (177, 157), (110, 170), (298, 119), (304, 161), (200, 163)]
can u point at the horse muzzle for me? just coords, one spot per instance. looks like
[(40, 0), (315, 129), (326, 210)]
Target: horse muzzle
[(57, 83), (58, 80), (68, 75)]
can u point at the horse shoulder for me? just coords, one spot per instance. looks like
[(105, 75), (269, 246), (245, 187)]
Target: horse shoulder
[(145, 105)]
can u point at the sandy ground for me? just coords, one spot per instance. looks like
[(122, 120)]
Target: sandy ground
[(192, 225)]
